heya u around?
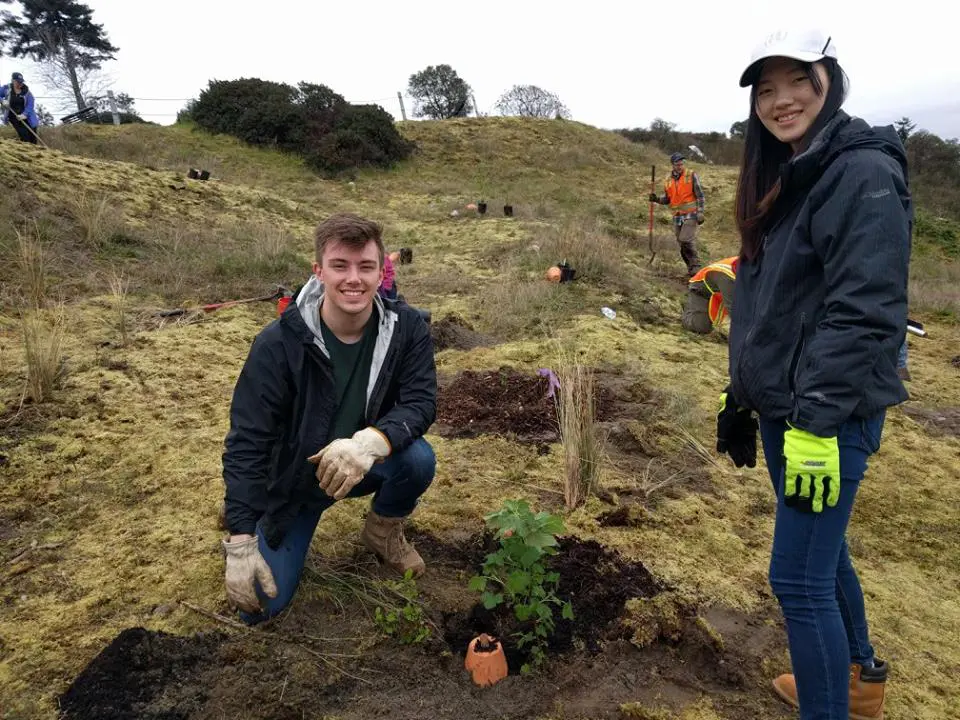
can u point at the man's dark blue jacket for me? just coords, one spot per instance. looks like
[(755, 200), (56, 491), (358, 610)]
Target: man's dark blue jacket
[(284, 404)]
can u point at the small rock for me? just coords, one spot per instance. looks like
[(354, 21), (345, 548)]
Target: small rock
[(163, 610)]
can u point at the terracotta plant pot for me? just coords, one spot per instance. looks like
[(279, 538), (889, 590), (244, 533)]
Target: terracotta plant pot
[(485, 660)]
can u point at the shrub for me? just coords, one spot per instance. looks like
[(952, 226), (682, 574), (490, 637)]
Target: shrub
[(259, 112), (331, 134), (517, 575), (362, 135)]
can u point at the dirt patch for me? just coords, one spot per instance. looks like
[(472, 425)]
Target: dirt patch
[(596, 581), (298, 665), (938, 421), (143, 674), (454, 333), (497, 402)]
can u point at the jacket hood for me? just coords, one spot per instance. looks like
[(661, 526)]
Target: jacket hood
[(842, 134), (308, 303)]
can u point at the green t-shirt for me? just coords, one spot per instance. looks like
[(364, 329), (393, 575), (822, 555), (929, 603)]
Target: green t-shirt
[(351, 370)]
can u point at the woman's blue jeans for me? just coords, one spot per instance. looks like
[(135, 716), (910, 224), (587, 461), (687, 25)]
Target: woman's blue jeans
[(813, 578), (396, 485)]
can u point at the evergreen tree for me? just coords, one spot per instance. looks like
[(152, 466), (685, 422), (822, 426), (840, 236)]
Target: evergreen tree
[(59, 32)]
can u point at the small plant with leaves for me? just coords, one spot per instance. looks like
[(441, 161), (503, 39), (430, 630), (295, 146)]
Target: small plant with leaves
[(404, 620), (516, 574)]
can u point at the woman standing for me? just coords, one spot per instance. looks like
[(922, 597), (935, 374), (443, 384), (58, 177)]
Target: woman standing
[(18, 100), (825, 216)]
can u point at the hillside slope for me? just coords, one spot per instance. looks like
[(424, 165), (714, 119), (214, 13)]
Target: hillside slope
[(109, 490)]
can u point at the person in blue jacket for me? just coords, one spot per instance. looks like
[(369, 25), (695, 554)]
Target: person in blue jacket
[(825, 216), (19, 104)]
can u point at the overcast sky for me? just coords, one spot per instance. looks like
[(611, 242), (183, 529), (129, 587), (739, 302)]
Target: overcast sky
[(614, 64)]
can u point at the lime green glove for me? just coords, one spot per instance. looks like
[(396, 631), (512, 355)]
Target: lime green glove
[(812, 470)]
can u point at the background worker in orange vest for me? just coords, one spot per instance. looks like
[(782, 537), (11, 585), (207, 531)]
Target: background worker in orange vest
[(684, 195), (710, 296)]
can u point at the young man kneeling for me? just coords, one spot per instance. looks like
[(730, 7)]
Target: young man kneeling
[(332, 402)]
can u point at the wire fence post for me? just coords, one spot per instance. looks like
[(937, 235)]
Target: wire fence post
[(403, 110), (113, 107)]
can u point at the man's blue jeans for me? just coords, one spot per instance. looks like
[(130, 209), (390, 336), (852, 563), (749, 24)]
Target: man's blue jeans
[(813, 578), (396, 484)]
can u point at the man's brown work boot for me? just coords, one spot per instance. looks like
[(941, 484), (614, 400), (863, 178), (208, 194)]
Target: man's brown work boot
[(866, 690), (384, 537)]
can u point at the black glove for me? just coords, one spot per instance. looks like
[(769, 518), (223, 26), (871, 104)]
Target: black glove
[(654, 198), (736, 431)]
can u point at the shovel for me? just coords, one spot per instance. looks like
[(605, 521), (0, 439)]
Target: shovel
[(275, 295)]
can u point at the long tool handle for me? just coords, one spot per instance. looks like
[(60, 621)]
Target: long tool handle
[(653, 184)]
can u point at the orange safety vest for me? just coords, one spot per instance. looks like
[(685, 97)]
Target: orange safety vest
[(716, 308), (680, 193)]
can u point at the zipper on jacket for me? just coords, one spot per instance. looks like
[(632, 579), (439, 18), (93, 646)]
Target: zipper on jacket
[(799, 354)]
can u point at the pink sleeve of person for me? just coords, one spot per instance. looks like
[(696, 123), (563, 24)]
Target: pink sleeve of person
[(388, 273)]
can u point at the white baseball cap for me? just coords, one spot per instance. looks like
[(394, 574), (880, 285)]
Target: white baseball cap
[(803, 45)]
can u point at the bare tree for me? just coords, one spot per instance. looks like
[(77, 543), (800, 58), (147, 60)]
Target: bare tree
[(92, 84), (531, 101)]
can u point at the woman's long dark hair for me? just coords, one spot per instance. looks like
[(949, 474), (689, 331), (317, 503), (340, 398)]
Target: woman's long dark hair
[(763, 155)]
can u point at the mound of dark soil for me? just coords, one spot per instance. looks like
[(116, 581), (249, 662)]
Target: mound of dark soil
[(318, 660), (596, 581), (452, 332), (134, 670), (497, 402)]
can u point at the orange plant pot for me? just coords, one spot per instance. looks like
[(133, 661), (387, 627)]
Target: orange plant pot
[(485, 660)]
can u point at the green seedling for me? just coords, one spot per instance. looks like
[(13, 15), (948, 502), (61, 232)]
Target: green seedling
[(516, 574)]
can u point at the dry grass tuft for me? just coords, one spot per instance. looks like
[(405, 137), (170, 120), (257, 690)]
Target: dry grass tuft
[(30, 263), (579, 432), (43, 352), (92, 215), (118, 292)]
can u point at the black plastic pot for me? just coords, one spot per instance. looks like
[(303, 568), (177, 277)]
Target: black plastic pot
[(204, 174), (482, 207), (193, 174), (567, 273), (508, 210), (406, 256)]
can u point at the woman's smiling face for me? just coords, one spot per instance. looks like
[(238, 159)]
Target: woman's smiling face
[(788, 100)]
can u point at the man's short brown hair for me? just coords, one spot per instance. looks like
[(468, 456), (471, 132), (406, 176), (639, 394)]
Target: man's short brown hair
[(350, 229)]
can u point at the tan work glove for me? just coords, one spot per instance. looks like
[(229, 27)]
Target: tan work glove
[(344, 462), (246, 567)]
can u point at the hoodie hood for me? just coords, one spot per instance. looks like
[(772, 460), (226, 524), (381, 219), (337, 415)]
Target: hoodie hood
[(843, 133), (309, 300)]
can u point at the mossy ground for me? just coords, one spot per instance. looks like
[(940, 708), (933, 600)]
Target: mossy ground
[(109, 492)]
